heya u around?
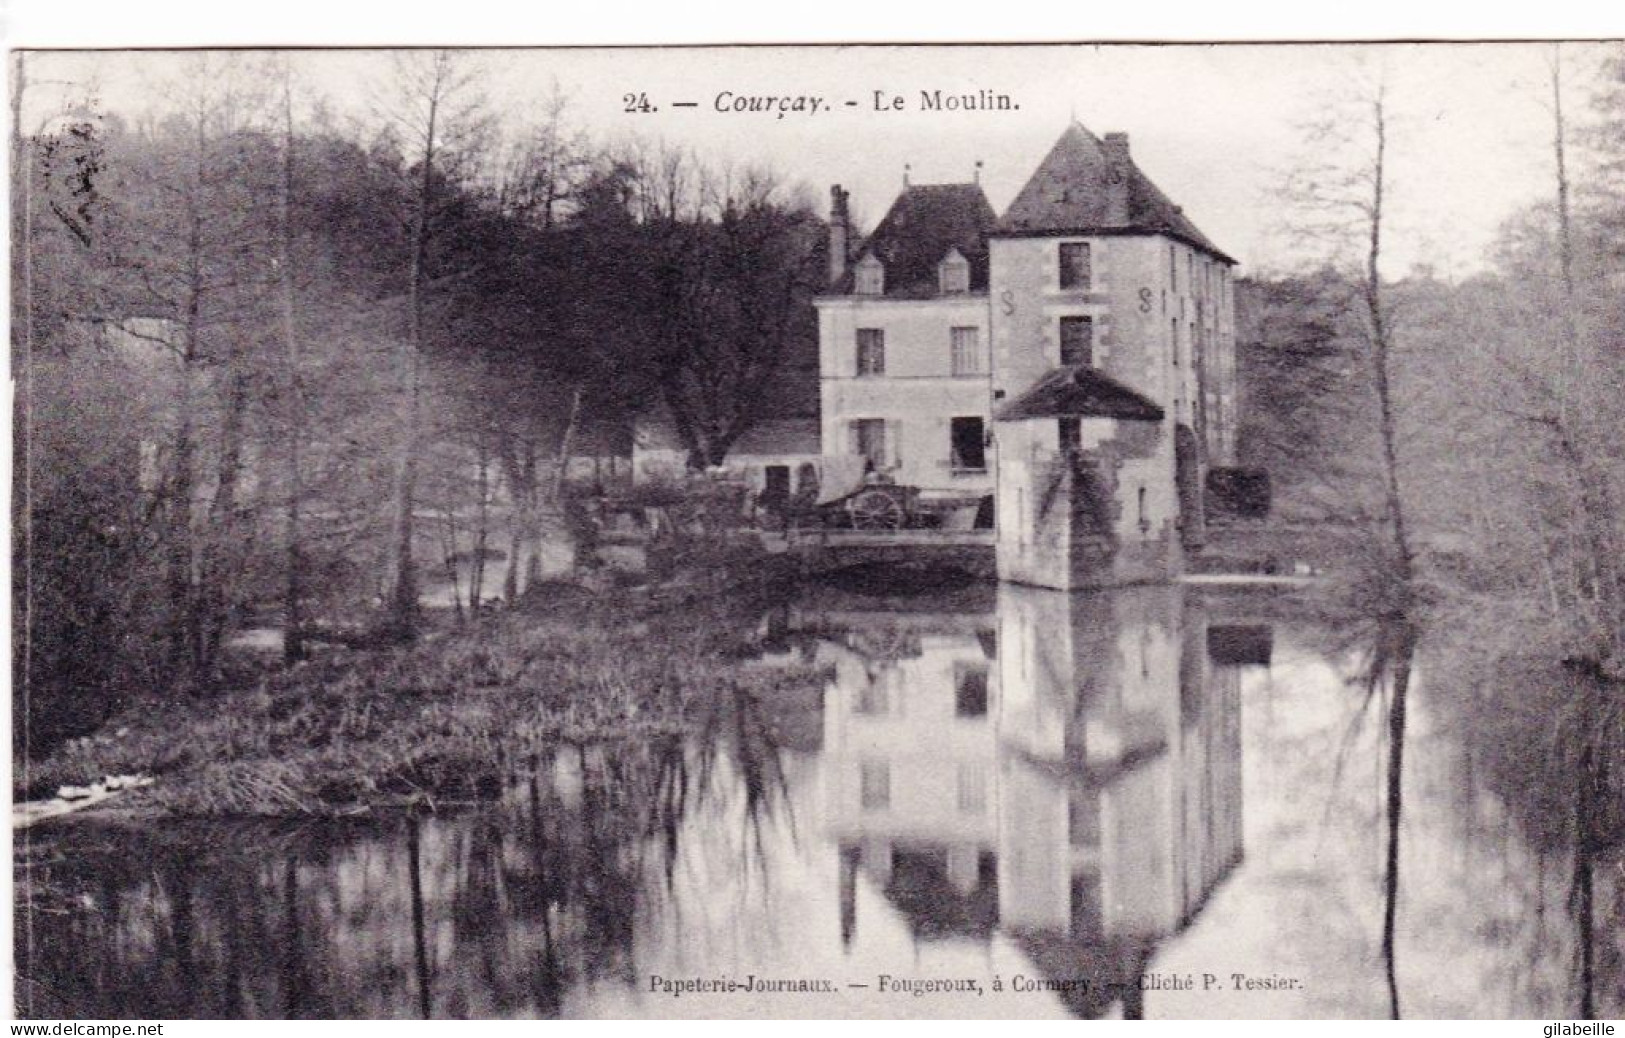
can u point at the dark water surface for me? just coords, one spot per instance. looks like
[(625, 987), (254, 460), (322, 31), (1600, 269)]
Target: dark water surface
[(1095, 799)]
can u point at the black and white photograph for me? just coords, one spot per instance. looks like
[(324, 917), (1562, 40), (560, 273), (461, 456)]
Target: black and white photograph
[(931, 531)]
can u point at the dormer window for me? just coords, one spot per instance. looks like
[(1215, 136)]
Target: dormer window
[(953, 273), (869, 276)]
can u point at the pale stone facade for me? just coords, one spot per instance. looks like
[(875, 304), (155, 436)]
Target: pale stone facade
[(1092, 271), (903, 342), (1092, 794), (919, 393), (1162, 321)]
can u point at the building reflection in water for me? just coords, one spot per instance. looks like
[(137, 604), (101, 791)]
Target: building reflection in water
[(1065, 770), (1011, 779)]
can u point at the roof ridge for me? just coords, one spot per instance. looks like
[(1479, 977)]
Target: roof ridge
[(919, 228), (1074, 190)]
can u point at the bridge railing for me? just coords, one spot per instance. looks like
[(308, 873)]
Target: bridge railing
[(827, 537)]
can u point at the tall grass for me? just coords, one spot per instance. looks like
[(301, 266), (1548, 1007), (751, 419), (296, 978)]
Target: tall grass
[(445, 720)]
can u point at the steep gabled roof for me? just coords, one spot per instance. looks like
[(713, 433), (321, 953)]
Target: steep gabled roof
[(1072, 191), (1075, 391), (924, 223)]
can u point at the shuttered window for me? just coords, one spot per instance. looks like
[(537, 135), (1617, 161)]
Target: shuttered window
[(967, 351), (868, 439), (871, 351), (972, 783)]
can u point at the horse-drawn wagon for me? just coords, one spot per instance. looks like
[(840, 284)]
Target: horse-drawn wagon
[(875, 503)]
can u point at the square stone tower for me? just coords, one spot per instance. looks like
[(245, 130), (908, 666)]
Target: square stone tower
[(1111, 321)]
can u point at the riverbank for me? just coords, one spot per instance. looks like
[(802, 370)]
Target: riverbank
[(448, 719), (746, 848)]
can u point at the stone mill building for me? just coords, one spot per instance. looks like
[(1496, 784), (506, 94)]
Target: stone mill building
[(1074, 359)]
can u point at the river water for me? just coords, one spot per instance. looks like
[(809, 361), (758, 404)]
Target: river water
[(1005, 803)]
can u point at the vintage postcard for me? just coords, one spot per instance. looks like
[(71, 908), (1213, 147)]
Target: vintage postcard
[(886, 531)]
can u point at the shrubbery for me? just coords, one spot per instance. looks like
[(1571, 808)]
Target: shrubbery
[(444, 720)]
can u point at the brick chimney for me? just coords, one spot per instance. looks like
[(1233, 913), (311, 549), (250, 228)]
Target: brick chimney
[(1118, 173), (840, 233)]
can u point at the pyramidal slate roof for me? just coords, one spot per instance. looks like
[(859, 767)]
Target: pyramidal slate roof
[(924, 223), (1076, 391), (1072, 191)]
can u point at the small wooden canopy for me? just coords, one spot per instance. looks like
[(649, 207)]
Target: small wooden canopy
[(1076, 391)]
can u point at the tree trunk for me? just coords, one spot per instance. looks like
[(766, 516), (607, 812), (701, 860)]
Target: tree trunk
[(1565, 235), (223, 533), (1400, 655), (404, 601), (180, 577), (1583, 886), (293, 616), (448, 561), (1381, 356), (476, 580), (566, 443), (1595, 499), (519, 462), (178, 538)]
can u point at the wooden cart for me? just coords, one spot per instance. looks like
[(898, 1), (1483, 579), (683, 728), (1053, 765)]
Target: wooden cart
[(874, 506)]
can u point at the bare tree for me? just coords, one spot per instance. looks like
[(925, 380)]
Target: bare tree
[(1341, 196), (437, 116), (546, 166), (1607, 135), (194, 235), (294, 404), (1553, 378), (1339, 199), (1567, 408), (732, 282)]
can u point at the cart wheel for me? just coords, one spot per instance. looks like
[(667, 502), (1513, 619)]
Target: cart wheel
[(876, 510)]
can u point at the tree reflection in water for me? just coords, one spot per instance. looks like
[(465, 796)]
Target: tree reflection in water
[(1391, 662), (1041, 783), (1566, 780), (488, 913), (1547, 739)]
